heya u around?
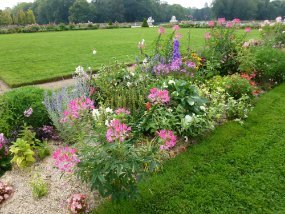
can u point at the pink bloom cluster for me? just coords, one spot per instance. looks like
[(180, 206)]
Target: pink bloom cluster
[(161, 30), (76, 107), (5, 192), (222, 21), (28, 112), (207, 35), (77, 203), (158, 96), (168, 138), (3, 144), (191, 64), (117, 131), (122, 111), (65, 159)]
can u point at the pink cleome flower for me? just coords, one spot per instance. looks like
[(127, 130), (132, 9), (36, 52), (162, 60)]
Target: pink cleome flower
[(168, 138), (76, 107), (161, 30), (207, 35), (158, 96), (117, 131), (221, 21), (229, 24), (122, 111), (211, 23), (176, 28), (65, 159), (236, 21), (247, 29)]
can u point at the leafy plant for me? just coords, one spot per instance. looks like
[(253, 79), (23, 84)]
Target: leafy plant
[(13, 105), (39, 186), (23, 153), (145, 24)]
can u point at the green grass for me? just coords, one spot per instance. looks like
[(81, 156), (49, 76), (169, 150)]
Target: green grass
[(237, 169), (39, 57)]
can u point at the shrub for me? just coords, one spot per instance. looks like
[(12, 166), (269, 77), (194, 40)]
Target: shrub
[(4, 155), (13, 104), (39, 187), (145, 24), (23, 153), (270, 64)]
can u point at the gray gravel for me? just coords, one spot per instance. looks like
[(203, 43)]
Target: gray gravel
[(60, 188)]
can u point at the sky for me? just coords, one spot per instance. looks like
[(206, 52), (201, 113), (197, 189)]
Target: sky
[(185, 3)]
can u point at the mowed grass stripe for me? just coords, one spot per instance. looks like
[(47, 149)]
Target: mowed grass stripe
[(237, 169), (37, 57)]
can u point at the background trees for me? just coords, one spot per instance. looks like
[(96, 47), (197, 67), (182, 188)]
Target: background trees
[(77, 11)]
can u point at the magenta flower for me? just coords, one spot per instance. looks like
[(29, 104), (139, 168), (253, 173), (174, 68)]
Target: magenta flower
[(76, 108), (28, 112), (117, 131), (229, 25), (221, 21), (168, 139), (161, 30), (158, 96), (236, 21), (207, 35), (211, 23), (65, 159), (191, 64), (122, 111), (176, 27), (247, 29)]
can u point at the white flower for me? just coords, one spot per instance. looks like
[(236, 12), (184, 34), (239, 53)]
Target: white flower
[(203, 108), (107, 123), (96, 114), (267, 22), (164, 85), (188, 119), (109, 110), (169, 110), (170, 82), (79, 70), (129, 84), (94, 52), (186, 139), (279, 19), (145, 61), (132, 73), (283, 31)]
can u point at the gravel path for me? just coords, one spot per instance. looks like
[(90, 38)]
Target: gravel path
[(60, 188), (57, 84), (3, 87)]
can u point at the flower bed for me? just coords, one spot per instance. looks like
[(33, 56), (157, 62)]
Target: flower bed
[(123, 123)]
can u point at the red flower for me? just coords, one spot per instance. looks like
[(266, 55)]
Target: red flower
[(148, 105)]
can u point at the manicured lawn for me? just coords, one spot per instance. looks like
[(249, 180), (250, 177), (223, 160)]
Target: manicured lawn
[(38, 57), (237, 169)]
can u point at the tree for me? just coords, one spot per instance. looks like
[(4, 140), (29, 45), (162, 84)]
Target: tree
[(5, 18), (21, 17), (80, 12), (30, 17)]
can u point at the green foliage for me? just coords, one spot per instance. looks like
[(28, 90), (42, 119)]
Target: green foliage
[(14, 103), (23, 153), (5, 161), (145, 24), (30, 17), (224, 46), (39, 186), (114, 169), (5, 18), (234, 85), (235, 169), (270, 64)]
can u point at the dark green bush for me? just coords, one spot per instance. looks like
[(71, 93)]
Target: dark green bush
[(145, 24), (12, 107), (270, 64)]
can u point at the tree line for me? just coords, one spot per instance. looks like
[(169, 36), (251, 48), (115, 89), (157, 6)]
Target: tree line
[(82, 11)]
